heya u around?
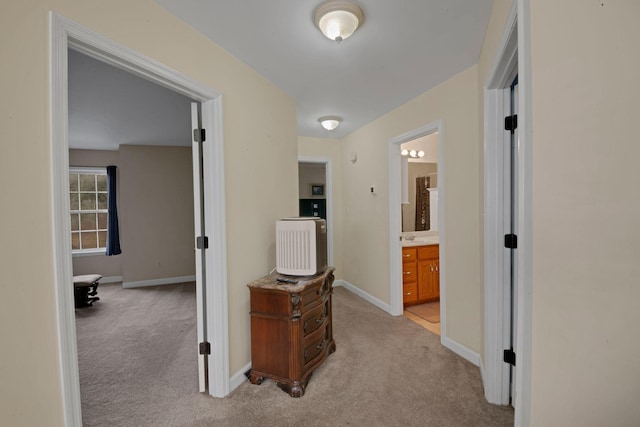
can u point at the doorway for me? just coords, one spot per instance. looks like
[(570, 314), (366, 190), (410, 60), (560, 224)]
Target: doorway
[(315, 182), (66, 34), (395, 220), (507, 330), (420, 233)]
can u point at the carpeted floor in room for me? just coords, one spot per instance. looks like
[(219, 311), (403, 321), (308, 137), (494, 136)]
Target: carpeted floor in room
[(137, 366)]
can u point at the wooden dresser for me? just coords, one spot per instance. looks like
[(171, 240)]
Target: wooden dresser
[(291, 329), (420, 274)]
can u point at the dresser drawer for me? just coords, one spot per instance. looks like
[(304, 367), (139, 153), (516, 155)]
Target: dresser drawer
[(409, 273), (314, 319)]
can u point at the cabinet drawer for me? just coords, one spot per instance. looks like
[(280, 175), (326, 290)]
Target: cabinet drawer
[(409, 254), (314, 319), (315, 345), (410, 293), (409, 273), (429, 252)]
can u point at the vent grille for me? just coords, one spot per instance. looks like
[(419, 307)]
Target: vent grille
[(296, 248)]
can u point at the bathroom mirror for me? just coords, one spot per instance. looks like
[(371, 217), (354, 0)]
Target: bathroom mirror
[(424, 166), (415, 171)]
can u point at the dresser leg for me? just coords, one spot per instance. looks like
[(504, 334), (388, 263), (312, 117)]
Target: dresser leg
[(295, 389), (255, 379)]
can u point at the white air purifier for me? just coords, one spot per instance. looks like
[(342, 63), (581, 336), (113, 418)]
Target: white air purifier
[(301, 246)]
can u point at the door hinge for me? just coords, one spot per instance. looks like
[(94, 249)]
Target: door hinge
[(205, 347), (202, 242), (510, 357), (199, 135), (511, 123), (511, 241)]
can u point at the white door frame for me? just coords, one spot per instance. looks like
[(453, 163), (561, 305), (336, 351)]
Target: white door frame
[(66, 34), (329, 198), (395, 221), (514, 51)]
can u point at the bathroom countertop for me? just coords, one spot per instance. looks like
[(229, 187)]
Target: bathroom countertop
[(421, 241)]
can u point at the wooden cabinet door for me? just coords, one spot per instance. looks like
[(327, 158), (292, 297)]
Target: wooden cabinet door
[(425, 280)]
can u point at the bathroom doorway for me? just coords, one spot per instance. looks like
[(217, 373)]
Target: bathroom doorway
[(424, 247), (420, 238)]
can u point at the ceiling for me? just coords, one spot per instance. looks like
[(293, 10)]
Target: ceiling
[(109, 106), (403, 49)]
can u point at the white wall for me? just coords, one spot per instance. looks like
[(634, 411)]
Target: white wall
[(260, 153)]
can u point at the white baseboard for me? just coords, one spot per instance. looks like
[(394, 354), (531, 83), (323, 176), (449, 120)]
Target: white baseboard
[(461, 350), (238, 378), (155, 282), (364, 295), (111, 279)]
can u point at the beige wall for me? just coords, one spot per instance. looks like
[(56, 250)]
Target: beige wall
[(329, 149), (156, 212), (260, 156), (106, 266), (586, 210), (366, 217)]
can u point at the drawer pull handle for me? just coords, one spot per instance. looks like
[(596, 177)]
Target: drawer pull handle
[(406, 255), (407, 273), (408, 293), (319, 346), (319, 319)]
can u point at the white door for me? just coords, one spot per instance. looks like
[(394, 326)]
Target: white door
[(200, 244), (511, 155)]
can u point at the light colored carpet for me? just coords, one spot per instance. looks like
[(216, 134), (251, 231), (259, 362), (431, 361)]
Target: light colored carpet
[(138, 368), (429, 311)]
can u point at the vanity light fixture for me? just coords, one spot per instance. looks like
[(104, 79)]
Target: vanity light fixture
[(330, 122), (338, 19), (412, 153)]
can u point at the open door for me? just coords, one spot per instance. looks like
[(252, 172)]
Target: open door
[(511, 186), (201, 244)]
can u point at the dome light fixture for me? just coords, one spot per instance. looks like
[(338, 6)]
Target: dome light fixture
[(330, 122), (338, 19)]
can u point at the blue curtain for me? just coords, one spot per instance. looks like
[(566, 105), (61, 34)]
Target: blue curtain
[(113, 231)]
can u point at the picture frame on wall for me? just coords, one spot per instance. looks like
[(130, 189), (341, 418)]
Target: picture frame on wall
[(317, 189)]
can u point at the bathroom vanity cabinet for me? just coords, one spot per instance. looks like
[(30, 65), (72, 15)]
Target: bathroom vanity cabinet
[(420, 274)]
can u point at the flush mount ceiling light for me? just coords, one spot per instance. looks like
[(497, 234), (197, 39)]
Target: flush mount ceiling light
[(412, 153), (338, 19), (330, 122)]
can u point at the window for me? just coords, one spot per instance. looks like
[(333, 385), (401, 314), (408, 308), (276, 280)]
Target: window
[(88, 210)]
